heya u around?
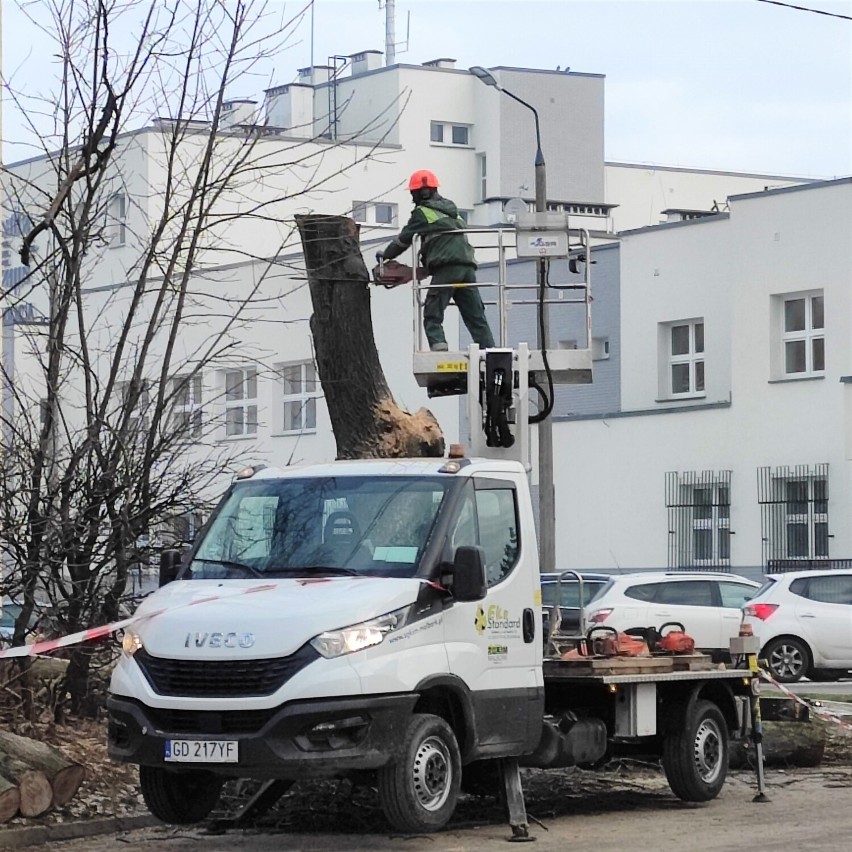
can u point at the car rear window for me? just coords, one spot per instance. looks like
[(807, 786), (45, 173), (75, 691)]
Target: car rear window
[(642, 592), (570, 592), (827, 588)]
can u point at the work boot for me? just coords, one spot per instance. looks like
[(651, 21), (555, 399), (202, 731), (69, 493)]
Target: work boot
[(440, 346)]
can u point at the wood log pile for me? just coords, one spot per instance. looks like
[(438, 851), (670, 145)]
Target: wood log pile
[(35, 777)]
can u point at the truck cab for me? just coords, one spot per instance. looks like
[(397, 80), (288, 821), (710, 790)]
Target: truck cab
[(336, 618)]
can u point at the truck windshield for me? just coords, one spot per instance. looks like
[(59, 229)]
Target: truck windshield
[(325, 525)]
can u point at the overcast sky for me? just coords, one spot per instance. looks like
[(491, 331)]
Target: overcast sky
[(739, 85)]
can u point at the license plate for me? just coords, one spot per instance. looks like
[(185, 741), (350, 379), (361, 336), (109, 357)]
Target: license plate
[(202, 751)]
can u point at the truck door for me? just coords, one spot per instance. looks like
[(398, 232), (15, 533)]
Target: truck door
[(495, 645)]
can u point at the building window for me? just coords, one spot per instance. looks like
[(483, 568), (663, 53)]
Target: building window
[(186, 406), (299, 386), (683, 345), (378, 213), (465, 216), (804, 335), (116, 219), (181, 529), (461, 134), (482, 171), (794, 513), (386, 214), (241, 402), (135, 403), (446, 133), (699, 511)]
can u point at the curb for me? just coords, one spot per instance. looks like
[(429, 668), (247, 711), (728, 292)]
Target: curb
[(36, 835)]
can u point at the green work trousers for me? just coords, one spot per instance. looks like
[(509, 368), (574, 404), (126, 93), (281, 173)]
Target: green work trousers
[(448, 285)]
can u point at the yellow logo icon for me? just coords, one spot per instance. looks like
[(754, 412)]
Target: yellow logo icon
[(480, 621)]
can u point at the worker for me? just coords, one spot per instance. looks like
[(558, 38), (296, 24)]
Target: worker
[(449, 259)]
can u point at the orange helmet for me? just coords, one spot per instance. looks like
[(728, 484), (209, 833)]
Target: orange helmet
[(422, 179)]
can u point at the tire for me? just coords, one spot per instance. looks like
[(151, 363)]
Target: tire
[(695, 757), (787, 658), (179, 798), (419, 790)]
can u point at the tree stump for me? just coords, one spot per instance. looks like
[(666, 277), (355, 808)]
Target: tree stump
[(366, 421)]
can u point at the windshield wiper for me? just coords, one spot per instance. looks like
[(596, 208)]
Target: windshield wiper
[(229, 563), (316, 569)]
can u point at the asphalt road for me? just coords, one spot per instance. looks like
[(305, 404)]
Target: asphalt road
[(807, 809)]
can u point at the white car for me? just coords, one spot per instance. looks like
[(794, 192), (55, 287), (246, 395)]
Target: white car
[(804, 622), (708, 604)]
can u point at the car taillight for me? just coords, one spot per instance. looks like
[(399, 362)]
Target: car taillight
[(760, 610), (600, 616)]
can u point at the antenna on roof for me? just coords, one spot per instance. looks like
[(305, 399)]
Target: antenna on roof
[(391, 43)]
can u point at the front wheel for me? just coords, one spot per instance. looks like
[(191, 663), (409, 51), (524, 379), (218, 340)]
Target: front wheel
[(695, 757), (419, 790), (787, 658), (179, 798)]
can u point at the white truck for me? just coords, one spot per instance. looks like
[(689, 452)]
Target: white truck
[(383, 616)]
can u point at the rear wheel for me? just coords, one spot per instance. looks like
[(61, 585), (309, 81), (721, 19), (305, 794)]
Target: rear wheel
[(787, 658), (420, 789), (179, 798), (695, 756)]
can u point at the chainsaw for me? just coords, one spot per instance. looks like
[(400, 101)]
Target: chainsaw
[(390, 274)]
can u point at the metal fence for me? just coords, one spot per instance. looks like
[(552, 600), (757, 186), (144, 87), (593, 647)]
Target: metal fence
[(699, 513), (794, 517)]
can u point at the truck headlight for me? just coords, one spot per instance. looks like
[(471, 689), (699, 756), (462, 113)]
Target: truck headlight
[(131, 643), (356, 637)]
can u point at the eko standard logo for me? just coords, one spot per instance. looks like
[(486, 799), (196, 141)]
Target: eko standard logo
[(496, 621)]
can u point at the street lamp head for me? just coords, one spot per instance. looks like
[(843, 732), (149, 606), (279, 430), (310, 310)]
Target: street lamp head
[(486, 76)]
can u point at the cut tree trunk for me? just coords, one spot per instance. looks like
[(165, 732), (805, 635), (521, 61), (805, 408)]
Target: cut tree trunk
[(10, 800), (36, 794), (366, 421), (64, 777)]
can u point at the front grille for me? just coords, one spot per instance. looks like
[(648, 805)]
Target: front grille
[(221, 678), (209, 721)]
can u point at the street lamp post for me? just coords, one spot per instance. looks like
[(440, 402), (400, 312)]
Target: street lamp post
[(546, 492)]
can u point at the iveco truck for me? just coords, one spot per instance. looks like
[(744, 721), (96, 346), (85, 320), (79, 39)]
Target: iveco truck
[(383, 618)]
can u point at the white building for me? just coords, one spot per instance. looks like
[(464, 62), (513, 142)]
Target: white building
[(731, 442), (344, 142)]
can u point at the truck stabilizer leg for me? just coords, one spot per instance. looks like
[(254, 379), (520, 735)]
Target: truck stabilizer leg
[(757, 731), (267, 795), (514, 792)]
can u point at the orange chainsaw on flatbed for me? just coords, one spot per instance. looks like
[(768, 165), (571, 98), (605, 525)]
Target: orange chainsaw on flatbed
[(389, 273)]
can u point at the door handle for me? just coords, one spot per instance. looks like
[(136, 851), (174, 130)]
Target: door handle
[(529, 625), (808, 615)]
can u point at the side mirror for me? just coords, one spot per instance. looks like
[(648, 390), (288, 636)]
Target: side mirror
[(169, 565), (469, 574)]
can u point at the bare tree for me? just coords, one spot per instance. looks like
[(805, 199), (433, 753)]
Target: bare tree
[(102, 445)]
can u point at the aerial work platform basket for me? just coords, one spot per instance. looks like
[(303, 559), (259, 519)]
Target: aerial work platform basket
[(538, 239), (536, 283)]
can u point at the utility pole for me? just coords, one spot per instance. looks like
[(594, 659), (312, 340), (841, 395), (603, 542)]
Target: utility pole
[(546, 493)]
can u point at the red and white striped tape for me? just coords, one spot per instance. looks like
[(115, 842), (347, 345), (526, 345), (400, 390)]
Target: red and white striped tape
[(99, 632), (819, 711)]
